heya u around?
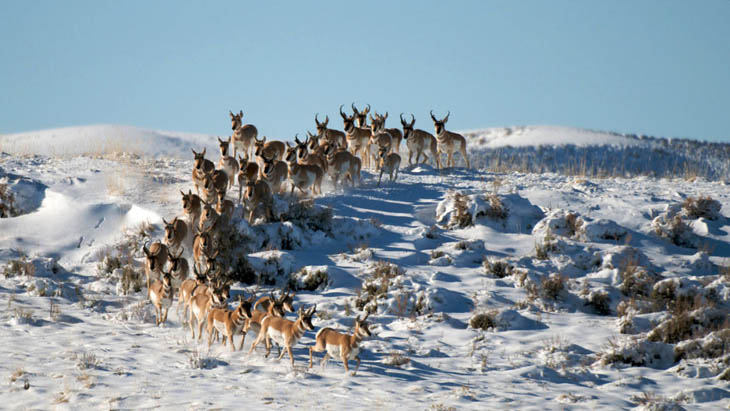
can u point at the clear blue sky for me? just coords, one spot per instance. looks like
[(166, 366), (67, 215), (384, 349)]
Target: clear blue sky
[(656, 67)]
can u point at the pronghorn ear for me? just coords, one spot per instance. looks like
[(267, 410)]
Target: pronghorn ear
[(182, 192), (240, 113), (312, 310), (165, 221), (194, 153), (230, 113), (219, 140)]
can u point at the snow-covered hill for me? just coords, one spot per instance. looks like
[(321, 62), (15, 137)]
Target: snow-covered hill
[(593, 293)]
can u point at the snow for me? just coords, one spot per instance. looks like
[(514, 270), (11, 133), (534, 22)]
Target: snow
[(578, 329)]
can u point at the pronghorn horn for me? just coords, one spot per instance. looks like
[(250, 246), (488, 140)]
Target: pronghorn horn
[(219, 139), (316, 120), (403, 122), (354, 109), (296, 139), (432, 117), (165, 221), (146, 249), (413, 120), (447, 117), (342, 113), (367, 110), (231, 113), (240, 113), (326, 119)]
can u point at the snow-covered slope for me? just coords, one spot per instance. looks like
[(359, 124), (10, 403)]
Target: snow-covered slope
[(576, 280)]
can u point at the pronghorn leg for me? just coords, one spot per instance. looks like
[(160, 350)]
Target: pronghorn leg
[(357, 366), (311, 350), (281, 353), (230, 340), (243, 338), (200, 328), (325, 358), (463, 154), (410, 158), (164, 316), (451, 159), (344, 356), (380, 177), (291, 357)]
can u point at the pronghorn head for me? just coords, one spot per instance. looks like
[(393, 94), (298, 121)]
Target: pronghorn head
[(407, 127), (321, 127), (151, 256), (291, 153), (301, 147), (440, 125), (277, 305), (208, 213), (382, 153), (361, 117), (287, 301), (221, 194), (306, 317), (250, 190), (175, 260), (244, 306), (166, 279), (348, 121), (236, 119), (361, 327), (211, 260), (376, 123), (268, 165), (312, 142), (190, 201), (242, 162), (223, 145), (259, 145), (169, 229), (199, 159), (199, 277)]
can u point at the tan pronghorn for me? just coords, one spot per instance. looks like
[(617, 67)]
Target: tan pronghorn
[(208, 217), (338, 345), (201, 167), (314, 157), (449, 142), (191, 287), (272, 150), (314, 143), (229, 322), (361, 117), (192, 210), (155, 259), (389, 163), (259, 193), (227, 163), (161, 294), (176, 233), (179, 268), (418, 141), (224, 207), (329, 135), (202, 246), (395, 133), (284, 332), (219, 179), (285, 299), (302, 176), (275, 307), (357, 137), (342, 164), (243, 134), (248, 171), (275, 173), (202, 303), (379, 140)]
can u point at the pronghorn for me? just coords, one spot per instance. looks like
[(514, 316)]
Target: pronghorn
[(330, 135), (248, 171), (259, 192), (302, 176), (448, 142), (229, 322), (357, 137), (161, 294), (227, 163), (155, 259), (343, 164), (224, 207), (286, 300), (389, 163), (361, 117), (273, 150), (395, 133), (418, 141), (201, 167), (189, 288), (179, 268), (208, 217), (219, 179), (201, 303), (202, 246), (344, 346), (275, 307), (284, 332), (379, 140), (243, 134), (313, 143), (176, 232), (274, 172), (315, 157), (209, 194), (191, 208)]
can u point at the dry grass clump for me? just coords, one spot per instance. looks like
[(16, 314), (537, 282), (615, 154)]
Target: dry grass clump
[(306, 214), (704, 207), (689, 318), (546, 246), (19, 266), (497, 268), (377, 286), (308, 279), (461, 217), (497, 209), (552, 286), (7, 202), (87, 360), (573, 223), (484, 320), (396, 359), (637, 281), (600, 301)]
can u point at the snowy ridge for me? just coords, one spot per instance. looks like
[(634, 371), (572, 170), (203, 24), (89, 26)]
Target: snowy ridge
[(487, 290)]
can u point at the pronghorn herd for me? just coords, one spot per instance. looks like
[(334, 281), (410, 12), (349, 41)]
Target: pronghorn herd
[(262, 169)]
